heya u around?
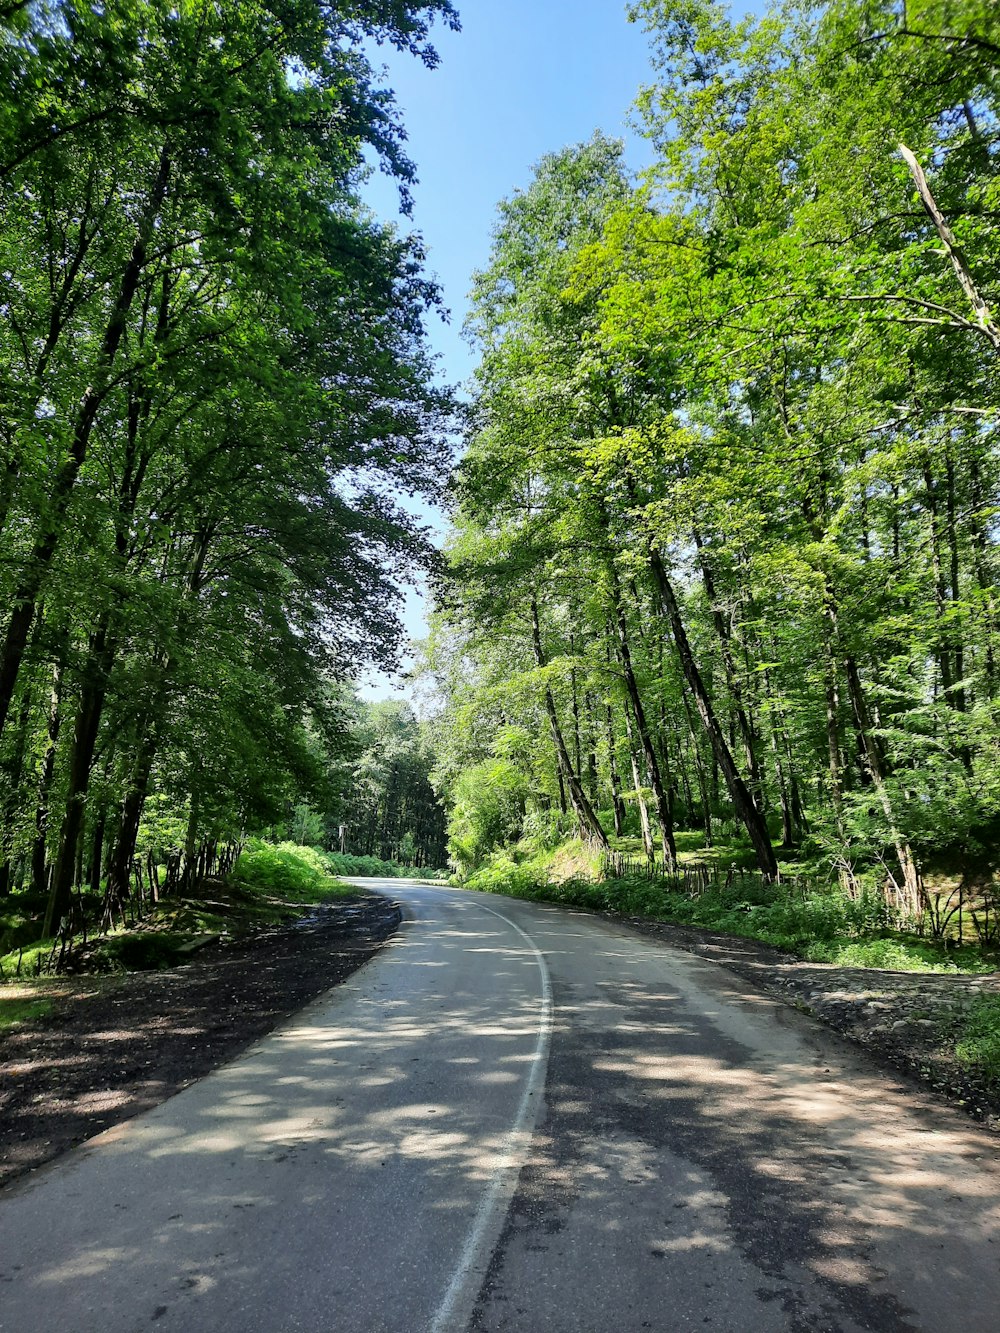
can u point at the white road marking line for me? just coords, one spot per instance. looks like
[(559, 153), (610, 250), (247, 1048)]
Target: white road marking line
[(456, 1306)]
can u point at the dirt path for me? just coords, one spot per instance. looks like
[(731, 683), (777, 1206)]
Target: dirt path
[(115, 1046)]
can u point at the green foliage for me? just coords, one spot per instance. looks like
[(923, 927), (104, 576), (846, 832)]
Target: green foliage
[(287, 871), (978, 1044), (724, 547), (386, 803), (897, 954), (14, 1012), (825, 927), (372, 868), (488, 810), (215, 385)]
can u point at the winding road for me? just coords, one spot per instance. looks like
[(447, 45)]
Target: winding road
[(526, 1119)]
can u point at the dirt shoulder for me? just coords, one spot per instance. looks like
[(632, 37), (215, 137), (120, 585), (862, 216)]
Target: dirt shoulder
[(906, 1020), (115, 1046)]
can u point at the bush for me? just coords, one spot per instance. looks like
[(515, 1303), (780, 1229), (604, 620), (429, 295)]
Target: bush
[(488, 810), (288, 869), (825, 926), (343, 863)]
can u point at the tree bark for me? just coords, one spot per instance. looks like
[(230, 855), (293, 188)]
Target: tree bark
[(743, 803), (590, 825), (874, 764), (640, 800), (38, 854), (616, 785), (983, 318), (88, 720), (663, 811), (747, 734)]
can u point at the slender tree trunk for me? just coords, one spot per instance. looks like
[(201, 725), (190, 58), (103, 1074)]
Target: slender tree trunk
[(832, 695), (706, 804), (38, 854), (97, 851), (644, 824), (14, 772), (987, 590), (617, 803), (88, 720), (120, 865), (955, 591), (593, 779), (663, 811), (590, 825), (874, 764), (746, 730), (746, 810)]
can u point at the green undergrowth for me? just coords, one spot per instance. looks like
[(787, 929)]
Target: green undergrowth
[(371, 867), (821, 926), (268, 886), (14, 1011), (978, 1043), (288, 872)]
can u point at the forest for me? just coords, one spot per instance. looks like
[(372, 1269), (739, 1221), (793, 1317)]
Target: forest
[(722, 572), (718, 593), (215, 396)]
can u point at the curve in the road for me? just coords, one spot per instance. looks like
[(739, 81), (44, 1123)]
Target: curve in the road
[(456, 1307), (703, 1159)]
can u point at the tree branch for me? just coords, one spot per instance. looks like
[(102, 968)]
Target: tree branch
[(984, 320)]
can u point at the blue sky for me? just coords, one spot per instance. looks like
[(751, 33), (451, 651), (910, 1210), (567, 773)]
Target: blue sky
[(522, 78)]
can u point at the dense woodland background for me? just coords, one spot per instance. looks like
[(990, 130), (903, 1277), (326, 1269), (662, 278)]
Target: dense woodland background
[(214, 389), (722, 568), (725, 541)]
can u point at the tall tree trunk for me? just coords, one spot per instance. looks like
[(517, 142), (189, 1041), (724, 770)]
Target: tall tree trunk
[(706, 804), (88, 720), (955, 591), (120, 865), (618, 805), (590, 825), (747, 734), (14, 773), (940, 596), (663, 811), (984, 581), (874, 763), (640, 800), (832, 698), (50, 530), (743, 803), (38, 853)]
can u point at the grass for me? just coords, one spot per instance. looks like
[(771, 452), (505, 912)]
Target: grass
[(269, 885), (15, 1011), (978, 1044), (823, 925)]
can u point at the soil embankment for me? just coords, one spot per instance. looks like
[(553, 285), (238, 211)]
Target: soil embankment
[(115, 1046)]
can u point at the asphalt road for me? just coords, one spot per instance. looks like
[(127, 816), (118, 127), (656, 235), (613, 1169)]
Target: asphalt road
[(520, 1118)]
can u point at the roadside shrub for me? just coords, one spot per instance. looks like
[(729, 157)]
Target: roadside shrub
[(825, 926), (371, 867), (287, 869), (489, 803), (979, 1044)]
